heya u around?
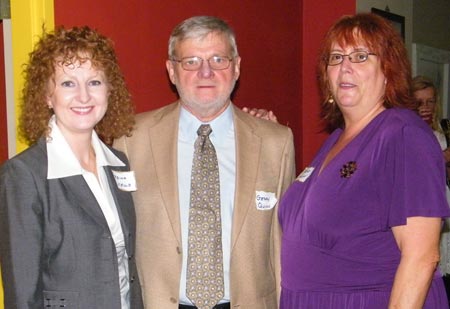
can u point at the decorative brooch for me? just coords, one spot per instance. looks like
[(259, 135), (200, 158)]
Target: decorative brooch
[(348, 169)]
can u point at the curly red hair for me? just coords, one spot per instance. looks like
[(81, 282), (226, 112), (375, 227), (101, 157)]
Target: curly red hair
[(383, 40), (78, 44)]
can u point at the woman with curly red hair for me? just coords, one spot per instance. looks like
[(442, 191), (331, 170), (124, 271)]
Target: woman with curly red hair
[(361, 223), (67, 221)]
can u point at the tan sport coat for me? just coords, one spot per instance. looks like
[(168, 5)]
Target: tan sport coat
[(264, 162)]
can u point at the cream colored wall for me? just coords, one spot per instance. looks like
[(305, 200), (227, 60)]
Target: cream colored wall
[(399, 7), (431, 23), (426, 22)]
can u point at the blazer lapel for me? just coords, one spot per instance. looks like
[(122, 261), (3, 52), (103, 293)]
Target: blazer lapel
[(248, 146), (163, 140), (79, 191), (83, 196)]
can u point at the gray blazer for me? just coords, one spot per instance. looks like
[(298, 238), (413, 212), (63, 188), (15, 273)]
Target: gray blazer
[(56, 249)]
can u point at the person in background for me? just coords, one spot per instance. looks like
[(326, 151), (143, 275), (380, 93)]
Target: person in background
[(67, 221), (361, 223), (255, 164), (426, 95)]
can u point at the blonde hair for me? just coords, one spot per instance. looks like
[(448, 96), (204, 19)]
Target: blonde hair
[(421, 82)]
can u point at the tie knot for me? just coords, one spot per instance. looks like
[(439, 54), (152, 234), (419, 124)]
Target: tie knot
[(204, 130)]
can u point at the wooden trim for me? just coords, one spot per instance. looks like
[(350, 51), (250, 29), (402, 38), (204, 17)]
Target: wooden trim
[(29, 18)]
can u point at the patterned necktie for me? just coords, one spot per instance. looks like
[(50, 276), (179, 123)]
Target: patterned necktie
[(205, 267)]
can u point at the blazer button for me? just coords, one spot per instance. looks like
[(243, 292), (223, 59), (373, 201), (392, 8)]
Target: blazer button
[(178, 250), (173, 300), (132, 279)]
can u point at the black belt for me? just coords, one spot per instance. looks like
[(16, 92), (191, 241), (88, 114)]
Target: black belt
[(218, 306)]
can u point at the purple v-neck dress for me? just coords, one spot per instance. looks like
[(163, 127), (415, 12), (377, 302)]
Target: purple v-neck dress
[(338, 250)]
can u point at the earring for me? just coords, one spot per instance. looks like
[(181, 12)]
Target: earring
[(330, 99)]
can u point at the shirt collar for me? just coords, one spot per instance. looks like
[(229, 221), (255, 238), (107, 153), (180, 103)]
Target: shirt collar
[(220, 126), (61, 159)]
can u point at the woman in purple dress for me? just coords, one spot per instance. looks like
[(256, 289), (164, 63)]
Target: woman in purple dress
[(361, 223)]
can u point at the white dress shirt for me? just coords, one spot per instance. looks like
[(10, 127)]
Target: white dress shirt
[(63, 163), (223, 139), (441, 139)]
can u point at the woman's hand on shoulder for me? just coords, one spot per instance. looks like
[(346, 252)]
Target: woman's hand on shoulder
[(261, 113)]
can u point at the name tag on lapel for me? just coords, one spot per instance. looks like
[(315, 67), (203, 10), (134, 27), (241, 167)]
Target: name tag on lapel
[(125, 180), (305, 174), (265, 200)]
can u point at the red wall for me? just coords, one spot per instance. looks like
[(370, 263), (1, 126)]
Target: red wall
[(277, 40), (317, 17), (3, 132)]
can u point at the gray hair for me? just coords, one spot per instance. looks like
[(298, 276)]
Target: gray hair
[(200, 27)]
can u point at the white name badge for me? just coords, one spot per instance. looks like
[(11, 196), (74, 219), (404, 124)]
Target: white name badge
[(125, 180), (305, 174), (265, 200)]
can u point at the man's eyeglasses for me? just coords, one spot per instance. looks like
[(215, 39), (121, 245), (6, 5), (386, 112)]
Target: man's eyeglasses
[(195, 63), (355, 57)]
